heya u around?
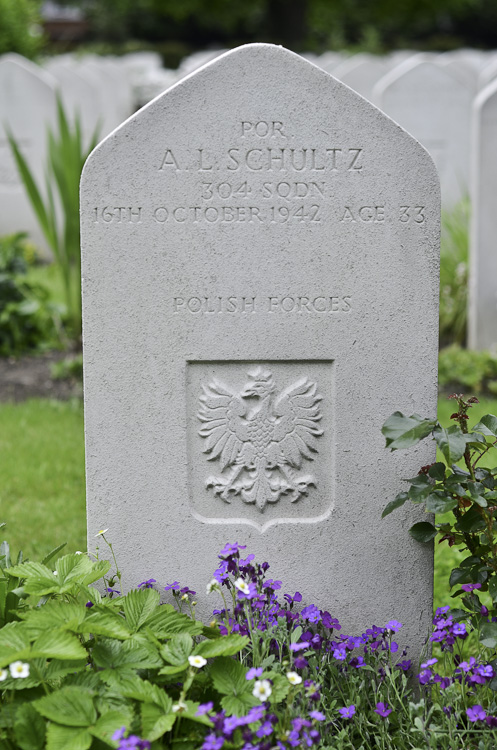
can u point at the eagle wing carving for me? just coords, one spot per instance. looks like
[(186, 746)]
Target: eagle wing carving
[(297, 412), (222, 413)]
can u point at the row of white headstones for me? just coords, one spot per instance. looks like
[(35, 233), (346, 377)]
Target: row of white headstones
[(447, 101)]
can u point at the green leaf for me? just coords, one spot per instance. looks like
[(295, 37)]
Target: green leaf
[(451, 442), (40, 580), (436, 503), (53, 615), (237, 705), (280, 688), (401, 431), (68, 705), (14, 643), (437, 471), (228, 677), (138, 606), (488, 634), (420, 488), (459, 575), (423, 531), (396, 503), (67, 738), (475, 490), (132, 686), (58, 644), (226, 646), (103, 621), (155, 722), (471, 521), (487, 425), (492, 588), (113, 654), (29, 728), (109, 723), (178, 649), (52, 553), (166, 621)]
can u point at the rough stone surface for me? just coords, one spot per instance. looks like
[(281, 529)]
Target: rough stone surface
[(27, 108), (260, 275), (435, 107), (482, 318)]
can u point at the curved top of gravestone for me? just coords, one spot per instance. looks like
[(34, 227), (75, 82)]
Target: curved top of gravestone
[(236, 79)]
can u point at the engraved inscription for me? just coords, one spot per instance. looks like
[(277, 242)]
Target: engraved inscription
[(198, 304), (261, 438)]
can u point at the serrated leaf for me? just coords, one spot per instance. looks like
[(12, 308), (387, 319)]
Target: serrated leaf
[(105, 622), (178, 649), (226, 646), (138, 605), (109, 723), (67, 738), (401, 431), (451, 441), (237, 705), (423, 531), (487, 425), (52, 553), (167, 621), (439, 503), (488, 634), (29, 728), (53, 614), (228, 677), (155, 722), (170, 670), (113, 654), (279, 690), (396, 503), (40, 580), (58, 644), (14, 643), (71, 706), (132, 686)]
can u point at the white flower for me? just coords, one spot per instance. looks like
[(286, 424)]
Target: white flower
[(78, 552), (19, 669), (262, 689), (242, 586), (3, 674), (55, 573), (293, 678), (212, 586), (102, 532), (197, 661), (179, 707), (184, 598)]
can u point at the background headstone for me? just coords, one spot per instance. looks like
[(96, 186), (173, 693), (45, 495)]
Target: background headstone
[(261, 240), (435, 107), (27, 108), (482, 317)]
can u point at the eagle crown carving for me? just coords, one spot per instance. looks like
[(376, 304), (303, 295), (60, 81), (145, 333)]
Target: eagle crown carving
[(260, 438)]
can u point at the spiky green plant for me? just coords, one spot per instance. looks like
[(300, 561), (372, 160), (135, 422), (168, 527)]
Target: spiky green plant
[(66, 155)]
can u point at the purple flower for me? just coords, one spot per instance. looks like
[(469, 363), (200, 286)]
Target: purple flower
[(311, 613), (265, 729), (300, 662), (476, 713), (485, 670), (211, 742), (204, 708), (118, 734), (253, 673), (231, 549), (89, 605), (330, 622), (112, 591), (148, 584), (424, 677), (317, 715), (172, 586), (404, 665), (299, 646), (382, 709), (357, 662), (393, 625), (491, 721), (429, 663), (459, 629), (340, 654), (470, 586), (347, 712), (394, 647)]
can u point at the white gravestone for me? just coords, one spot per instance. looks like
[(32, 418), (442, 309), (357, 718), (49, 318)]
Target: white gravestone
[(27, 109), (260, 281), (435, 107), (482, 318), (361, 72)]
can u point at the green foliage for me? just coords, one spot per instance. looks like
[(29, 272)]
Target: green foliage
[(19, 27), (66, 157), (463, 369), (27, 317), (454, 274), (469, 494)]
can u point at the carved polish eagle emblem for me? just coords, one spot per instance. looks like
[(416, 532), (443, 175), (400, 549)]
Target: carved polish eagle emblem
[(260, 437)]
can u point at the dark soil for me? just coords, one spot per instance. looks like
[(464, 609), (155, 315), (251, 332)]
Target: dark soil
[(30, 377)]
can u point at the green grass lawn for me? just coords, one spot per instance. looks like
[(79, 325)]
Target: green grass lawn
[(42, 483)]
